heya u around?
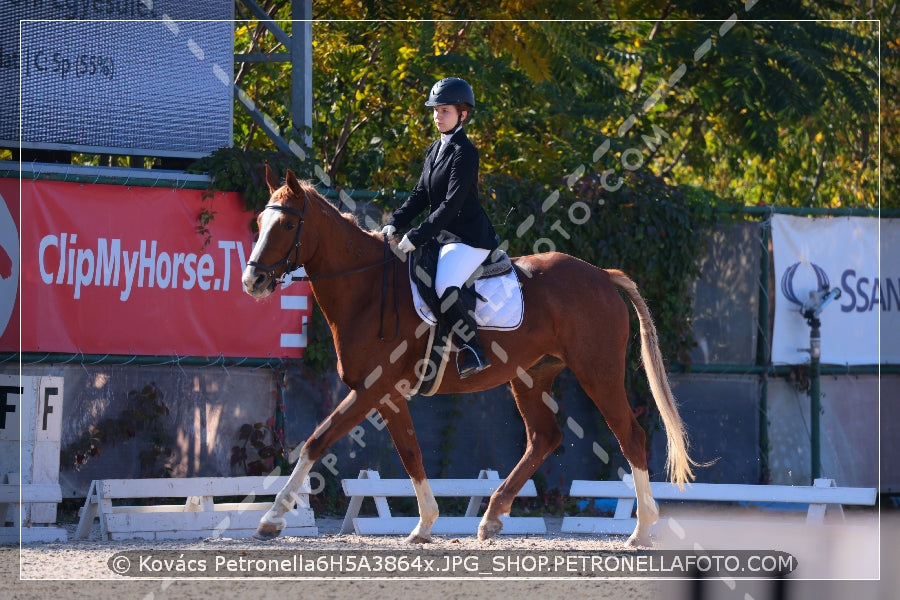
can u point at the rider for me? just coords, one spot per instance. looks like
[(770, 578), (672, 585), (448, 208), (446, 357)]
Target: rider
[(448, 188)]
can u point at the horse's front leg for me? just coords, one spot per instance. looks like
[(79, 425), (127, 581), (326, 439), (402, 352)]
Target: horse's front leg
[(273, 521), (395, 414), (342, 419)]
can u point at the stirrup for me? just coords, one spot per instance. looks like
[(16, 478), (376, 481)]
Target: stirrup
[(467, 369)]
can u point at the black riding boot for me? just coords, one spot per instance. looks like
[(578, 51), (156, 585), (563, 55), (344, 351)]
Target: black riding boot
[(470, 358)]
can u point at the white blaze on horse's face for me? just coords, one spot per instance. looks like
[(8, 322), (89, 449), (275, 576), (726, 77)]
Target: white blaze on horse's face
[(258, 282)]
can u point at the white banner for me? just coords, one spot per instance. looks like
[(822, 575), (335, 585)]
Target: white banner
[(811, 255)]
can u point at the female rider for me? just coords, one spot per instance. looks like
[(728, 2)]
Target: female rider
[(448, 188)]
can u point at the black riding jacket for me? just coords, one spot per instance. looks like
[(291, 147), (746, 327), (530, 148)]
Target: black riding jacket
[(448, 188)]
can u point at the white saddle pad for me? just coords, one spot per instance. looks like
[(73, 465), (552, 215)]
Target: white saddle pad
[(503, 310)]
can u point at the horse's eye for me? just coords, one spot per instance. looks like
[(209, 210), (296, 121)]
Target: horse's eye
[(290, 225)]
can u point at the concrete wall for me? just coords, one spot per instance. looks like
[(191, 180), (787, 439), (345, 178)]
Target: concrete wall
[(206, 408), (849, 430)]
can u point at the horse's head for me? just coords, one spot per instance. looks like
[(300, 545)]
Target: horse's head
[(279, 248)]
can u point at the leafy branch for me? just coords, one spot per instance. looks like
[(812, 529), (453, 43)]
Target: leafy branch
[(261, 450)]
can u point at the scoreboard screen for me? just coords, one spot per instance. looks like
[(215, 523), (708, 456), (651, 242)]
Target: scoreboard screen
[(136, 77)]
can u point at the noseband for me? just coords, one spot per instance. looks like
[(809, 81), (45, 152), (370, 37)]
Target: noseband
[(294, 250)]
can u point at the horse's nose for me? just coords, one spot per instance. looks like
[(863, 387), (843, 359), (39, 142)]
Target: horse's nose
[(254, 280), (260, 281)]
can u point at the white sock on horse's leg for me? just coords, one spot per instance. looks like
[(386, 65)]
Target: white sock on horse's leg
[(272, 522), (647, 510), (428, 512)]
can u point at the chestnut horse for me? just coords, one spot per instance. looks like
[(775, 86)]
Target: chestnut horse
[(574, 318)]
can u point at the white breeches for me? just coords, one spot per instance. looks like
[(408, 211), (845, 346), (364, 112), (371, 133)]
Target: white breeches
[(456, 263)]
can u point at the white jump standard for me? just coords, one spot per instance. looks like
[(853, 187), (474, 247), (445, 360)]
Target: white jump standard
[(370, 484), (199, 516)]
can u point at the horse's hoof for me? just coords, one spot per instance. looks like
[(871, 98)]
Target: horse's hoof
[(266, 531), (489, 528), (639, 541), (418, 539)]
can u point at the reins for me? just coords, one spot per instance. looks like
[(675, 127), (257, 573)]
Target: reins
[(342, 273), (388, 258), (295, 249)]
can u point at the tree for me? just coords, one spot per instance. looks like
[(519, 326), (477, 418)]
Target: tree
[(766, 112)]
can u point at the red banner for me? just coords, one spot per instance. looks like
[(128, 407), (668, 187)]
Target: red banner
[(109, 269)]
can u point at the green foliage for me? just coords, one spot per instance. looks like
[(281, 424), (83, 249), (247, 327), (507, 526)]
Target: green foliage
[(783, 113), (890, 109), (237, 170), (205, 218), (773, 112)]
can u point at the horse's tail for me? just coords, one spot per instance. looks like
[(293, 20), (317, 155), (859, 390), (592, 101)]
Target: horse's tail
[(678, 463)]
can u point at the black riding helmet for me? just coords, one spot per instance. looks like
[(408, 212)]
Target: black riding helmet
[(451, 90)]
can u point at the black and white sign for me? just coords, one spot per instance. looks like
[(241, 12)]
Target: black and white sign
[(853, 254), (30, 433)]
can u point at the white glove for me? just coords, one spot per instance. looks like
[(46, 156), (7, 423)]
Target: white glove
[(298, 272), (388, 230), (405, 245)]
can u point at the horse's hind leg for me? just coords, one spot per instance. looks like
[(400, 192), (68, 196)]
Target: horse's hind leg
[(531, 390), (604, 386)]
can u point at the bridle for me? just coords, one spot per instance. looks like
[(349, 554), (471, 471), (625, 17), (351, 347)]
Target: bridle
[(292, 254)]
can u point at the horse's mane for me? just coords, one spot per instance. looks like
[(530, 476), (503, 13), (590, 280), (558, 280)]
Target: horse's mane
[(329, 208)]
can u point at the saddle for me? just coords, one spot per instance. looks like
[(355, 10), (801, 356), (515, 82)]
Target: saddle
[(492, 293), (423, 270)]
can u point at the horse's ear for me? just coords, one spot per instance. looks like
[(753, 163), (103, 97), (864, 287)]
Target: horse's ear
[(293, 183), (271, 179)]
